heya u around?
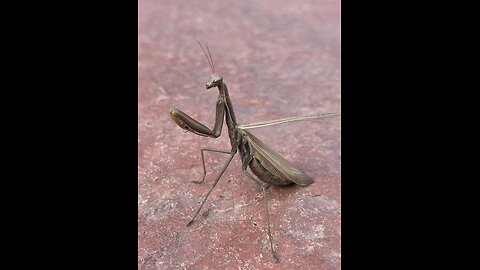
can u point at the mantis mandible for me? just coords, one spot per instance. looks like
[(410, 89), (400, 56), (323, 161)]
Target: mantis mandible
[(267, 165)]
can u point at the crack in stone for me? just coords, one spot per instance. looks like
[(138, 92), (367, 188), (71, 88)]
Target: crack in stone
[(238, 206)]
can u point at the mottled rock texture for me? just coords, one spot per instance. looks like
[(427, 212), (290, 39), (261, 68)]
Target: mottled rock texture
[(278, 59)]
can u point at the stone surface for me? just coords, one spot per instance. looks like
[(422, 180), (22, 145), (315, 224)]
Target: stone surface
[(278, 59)]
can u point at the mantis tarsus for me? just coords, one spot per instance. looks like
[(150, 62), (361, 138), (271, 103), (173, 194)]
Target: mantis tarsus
[(266, 164)]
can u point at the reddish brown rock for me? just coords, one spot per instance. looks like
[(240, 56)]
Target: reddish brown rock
[(278, 59)]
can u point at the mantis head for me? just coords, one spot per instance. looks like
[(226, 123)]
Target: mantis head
[(215, 80)]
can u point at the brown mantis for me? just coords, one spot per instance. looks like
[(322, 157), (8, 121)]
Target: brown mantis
[(265, 163)]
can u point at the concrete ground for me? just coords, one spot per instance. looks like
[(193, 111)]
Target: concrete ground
[(278, 59)]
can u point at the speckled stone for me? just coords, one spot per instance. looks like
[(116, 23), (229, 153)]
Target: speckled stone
[(278, 59)]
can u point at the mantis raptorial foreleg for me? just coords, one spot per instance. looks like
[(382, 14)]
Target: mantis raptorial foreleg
[(186, 122), (189, 124)]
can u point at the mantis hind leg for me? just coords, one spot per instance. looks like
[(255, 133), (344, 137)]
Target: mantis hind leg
[(246, 160)]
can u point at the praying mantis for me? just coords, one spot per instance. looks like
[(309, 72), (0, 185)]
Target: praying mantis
[(267, 165)]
